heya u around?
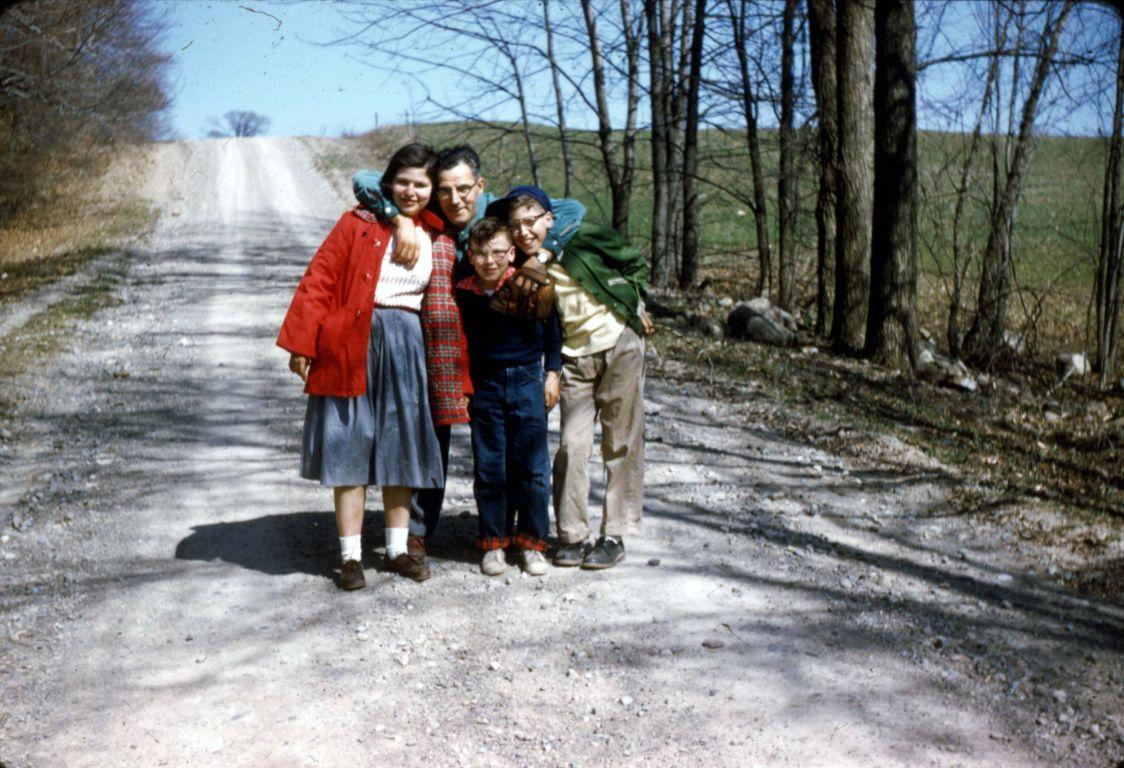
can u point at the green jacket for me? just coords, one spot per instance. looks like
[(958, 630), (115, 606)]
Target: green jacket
[(610, 268)]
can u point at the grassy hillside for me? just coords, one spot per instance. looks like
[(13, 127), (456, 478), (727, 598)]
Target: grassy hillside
[(1056, 229)]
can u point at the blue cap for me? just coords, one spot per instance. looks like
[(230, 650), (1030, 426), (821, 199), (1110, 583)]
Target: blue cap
[(500, 208)]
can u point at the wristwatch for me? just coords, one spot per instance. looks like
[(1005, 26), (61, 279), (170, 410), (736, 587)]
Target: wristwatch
[(543, 256)]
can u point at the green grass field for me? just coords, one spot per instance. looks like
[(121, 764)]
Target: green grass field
[(1056, 225)]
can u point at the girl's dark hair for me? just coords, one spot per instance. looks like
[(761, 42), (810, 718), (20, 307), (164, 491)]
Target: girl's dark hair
[(416, 155)]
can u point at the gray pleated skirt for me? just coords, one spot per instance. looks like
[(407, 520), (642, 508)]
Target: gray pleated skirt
[(384, 437)]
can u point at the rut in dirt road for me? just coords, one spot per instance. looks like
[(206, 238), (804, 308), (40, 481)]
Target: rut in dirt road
[(777, 607)]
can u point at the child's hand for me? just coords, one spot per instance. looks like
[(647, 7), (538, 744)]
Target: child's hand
[(299, 364), (405, 242), (646, 321), (551, 389)]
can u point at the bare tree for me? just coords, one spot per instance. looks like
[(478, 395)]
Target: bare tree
[(660, 16), (689, 267), (821, 22), (739, 23), (984, 340), (559, 101), (1110, 264), (239, 122), (478, 51), (76, 76), (855, 38), (786, 178), (619, 172), (678, 118), (891, 336), (960, 257), (509, 55)]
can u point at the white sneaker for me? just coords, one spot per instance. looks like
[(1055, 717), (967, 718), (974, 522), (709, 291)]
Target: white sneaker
[(493, 563), (534, 564)]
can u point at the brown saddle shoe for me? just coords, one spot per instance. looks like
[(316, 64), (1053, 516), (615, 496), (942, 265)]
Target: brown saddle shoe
[(351, 575), (412, 563)]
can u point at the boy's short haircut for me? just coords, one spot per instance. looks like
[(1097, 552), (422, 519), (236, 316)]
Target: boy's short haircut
[(522, 201), (487, 228)]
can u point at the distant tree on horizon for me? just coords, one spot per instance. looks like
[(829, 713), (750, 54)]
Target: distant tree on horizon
[(239, 122)]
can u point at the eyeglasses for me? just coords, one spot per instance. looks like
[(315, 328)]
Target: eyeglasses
[(462, 191), (527, 222), (496, 254)]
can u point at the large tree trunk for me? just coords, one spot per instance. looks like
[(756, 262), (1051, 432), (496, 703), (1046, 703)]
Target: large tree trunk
[(655, 14), (567, 160), (1109, 267), (891, 333), (853, 210), (786, 178), (985, 338), (661, 20), (749, 113), (675, 154), (821, 24), (689, 268)]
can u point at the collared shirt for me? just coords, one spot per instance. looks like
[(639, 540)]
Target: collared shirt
[(588, 325)]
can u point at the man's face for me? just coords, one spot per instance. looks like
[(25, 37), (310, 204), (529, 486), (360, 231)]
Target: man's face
[(530, 223), (490, 259), (457, 191)]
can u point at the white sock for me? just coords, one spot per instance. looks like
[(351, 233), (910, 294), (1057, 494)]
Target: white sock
[(351, 547), (396, 541)]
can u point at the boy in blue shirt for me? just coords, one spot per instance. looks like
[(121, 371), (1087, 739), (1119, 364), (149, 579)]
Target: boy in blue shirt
[(511, 473)]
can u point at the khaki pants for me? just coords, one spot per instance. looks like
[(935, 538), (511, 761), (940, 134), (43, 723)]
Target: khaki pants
[(611, 384)]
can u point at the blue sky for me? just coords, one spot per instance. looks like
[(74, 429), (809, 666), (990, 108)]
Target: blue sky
[(227, 58), (268, 57)]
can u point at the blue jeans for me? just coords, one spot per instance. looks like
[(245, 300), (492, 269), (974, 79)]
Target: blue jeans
[(511, 472)]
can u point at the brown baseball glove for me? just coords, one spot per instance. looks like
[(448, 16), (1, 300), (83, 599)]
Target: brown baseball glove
[(528, 294)]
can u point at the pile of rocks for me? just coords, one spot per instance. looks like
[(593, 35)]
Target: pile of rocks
[(762, 321)]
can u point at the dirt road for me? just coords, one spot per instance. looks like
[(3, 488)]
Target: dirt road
[(168, 595)]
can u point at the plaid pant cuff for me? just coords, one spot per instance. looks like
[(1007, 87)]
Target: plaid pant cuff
[(527, 541), (490, 543)]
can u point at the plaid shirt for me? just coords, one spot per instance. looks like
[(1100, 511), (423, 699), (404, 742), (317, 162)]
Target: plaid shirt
[(446, 352)]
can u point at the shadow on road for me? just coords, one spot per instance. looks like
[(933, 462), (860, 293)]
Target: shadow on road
[(306, 542)]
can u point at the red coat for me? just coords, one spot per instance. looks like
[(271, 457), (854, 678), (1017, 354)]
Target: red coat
[(329, 319)]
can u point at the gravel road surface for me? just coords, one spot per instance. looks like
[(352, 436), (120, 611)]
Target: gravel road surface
[(168, 595)]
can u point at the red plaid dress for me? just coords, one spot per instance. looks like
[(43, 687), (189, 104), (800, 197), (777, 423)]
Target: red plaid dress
[(446, 351)]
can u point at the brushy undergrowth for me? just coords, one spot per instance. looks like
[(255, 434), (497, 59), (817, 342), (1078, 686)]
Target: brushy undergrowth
[(1023, 436), (89, 242)]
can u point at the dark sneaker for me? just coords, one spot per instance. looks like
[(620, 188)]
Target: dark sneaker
[(607, 552), (351, 575), (572, 555)]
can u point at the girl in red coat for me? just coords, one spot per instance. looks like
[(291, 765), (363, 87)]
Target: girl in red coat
[(354, 333)]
